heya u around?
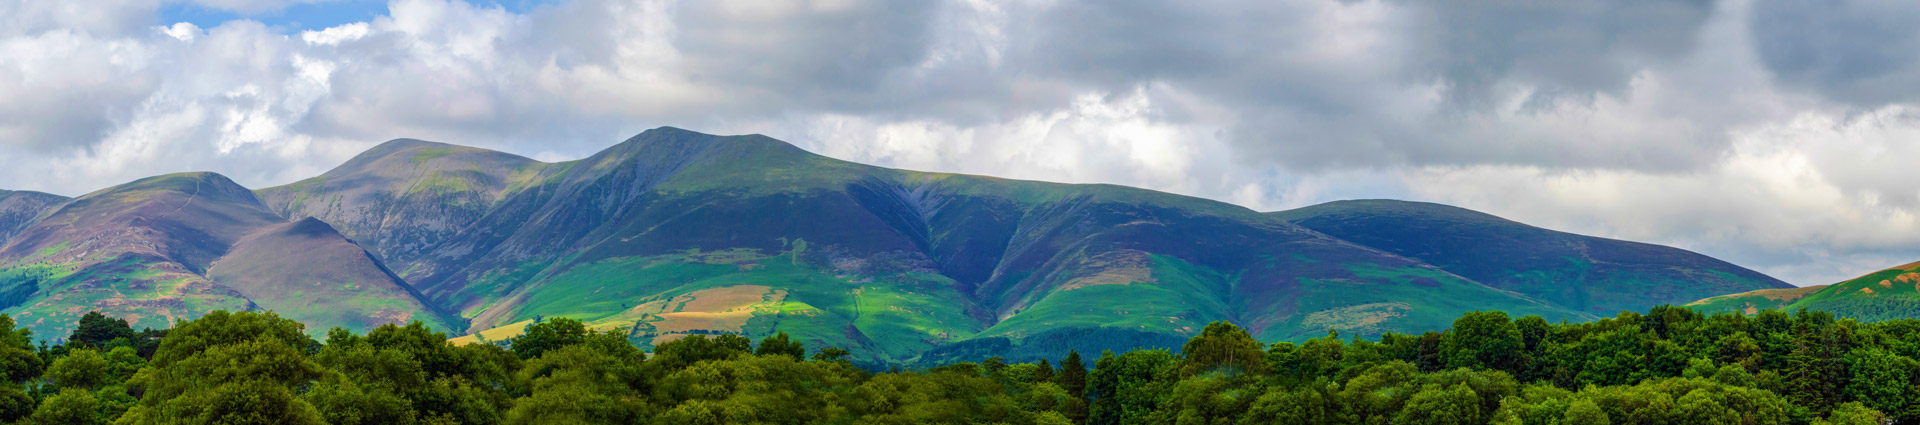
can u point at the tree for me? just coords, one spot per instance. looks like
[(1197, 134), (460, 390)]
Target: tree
[(397, 373), (1073, 375), (71, 406), (581, 384), (1043, 372), (832, 354), (1585, 412), (14, 404), (1126, 388), (18, 363), (683, 352), (548, 335), (1441, 406), (1852, 414), (82, 369), (1222, 345), (1484, 340), (96, 330), (1303, 406), (228, 368), (781, 345), (1883, 381)]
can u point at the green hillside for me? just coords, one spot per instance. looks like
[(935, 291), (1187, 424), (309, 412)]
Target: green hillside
[(674, 233), (1594, 275), (1754, 302), (1889, 294), (306, 271), (177, 246)]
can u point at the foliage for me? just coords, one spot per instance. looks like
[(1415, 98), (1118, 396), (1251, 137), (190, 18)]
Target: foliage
[(1667, 366)]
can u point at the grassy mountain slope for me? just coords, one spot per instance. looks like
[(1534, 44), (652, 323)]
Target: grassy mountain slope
[(145, 250), (1889, 294), (306, 271), (1753, 302), (20, 208), (675, 232), (1595, 275)]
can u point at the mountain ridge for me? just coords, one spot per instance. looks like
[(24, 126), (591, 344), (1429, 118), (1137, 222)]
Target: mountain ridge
[(1021, 257), (1556, 266), (674, 232)]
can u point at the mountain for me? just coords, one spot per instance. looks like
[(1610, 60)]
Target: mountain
[(1888, 294), (405, 196), (19, 209), (676, 232), (1584, 273), (180, 245), (673, 233)]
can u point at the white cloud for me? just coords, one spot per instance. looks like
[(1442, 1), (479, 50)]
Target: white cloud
[(1815, 189), (335, 35)]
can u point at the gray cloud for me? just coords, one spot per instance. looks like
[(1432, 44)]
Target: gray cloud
[(1571, 48), (1855, 51)]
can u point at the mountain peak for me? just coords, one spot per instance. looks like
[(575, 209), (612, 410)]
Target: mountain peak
[(683, 140), (311, 227), (1390, 207), (199, 184), (406, 144), (410, 153)]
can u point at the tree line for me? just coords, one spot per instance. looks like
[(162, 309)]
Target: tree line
[(1669, 365)]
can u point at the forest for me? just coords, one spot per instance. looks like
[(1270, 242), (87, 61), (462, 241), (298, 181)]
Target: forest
[(1670, 365)]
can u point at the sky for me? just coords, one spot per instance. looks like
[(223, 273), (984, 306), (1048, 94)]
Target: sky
[(1781, 135)]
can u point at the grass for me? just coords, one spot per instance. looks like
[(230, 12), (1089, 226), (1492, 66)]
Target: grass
[(1407, 299), (424, 155), (741, 291), (1182, 298)]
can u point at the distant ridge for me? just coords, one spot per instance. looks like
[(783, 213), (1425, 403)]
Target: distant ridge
[(1595, 275)]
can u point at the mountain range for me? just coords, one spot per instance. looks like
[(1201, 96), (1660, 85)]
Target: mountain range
[(675, 232)]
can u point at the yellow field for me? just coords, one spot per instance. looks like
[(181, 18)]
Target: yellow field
[(724, 309)]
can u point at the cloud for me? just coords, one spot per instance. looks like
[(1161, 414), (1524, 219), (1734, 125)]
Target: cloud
[(1854, 51), (335, 35), (1813, 200), (1764, 131)]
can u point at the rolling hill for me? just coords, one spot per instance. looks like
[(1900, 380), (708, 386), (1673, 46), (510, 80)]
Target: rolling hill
[(1584, 273), (177, 246), (1888, 294)]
